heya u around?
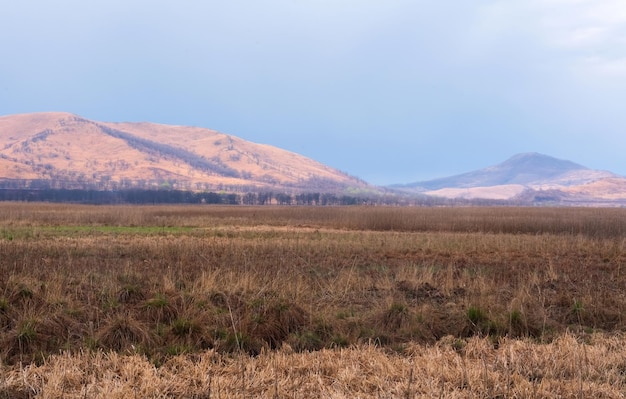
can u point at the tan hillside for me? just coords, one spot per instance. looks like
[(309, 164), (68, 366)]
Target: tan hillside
[(502, 192), (74, 152), (612, 188)]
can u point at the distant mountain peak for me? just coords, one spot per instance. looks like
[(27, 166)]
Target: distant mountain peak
[(531, 155), (540, 162), (530, 178), (525, 169)]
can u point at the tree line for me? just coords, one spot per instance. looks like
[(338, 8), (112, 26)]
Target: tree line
[(136, 196)]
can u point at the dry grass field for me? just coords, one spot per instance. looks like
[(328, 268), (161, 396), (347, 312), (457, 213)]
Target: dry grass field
[(304, 302)]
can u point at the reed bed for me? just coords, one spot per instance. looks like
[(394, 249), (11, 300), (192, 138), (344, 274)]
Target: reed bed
[(592, 222), (380, 298)]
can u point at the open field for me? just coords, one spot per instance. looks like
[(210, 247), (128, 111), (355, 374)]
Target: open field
[(200, 301)]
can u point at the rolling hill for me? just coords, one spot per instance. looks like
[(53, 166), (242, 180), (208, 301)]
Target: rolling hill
[(529, 178), (67, 151), (63, 150)]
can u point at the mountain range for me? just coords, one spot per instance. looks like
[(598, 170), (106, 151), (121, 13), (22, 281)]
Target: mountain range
[(529, 178), (63, 150)]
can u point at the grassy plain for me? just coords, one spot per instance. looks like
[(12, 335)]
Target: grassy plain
[(202, 301)]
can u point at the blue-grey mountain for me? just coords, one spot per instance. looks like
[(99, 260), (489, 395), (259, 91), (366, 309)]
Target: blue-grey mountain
[(529, 178)]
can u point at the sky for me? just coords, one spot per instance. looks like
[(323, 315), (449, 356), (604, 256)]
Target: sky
[(391, 91)]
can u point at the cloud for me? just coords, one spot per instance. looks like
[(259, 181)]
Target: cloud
[(610, 68), (580, 35), (592, 33)]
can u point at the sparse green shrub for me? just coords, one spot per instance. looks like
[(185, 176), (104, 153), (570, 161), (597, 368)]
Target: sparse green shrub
[(175, 350), (27, 332), (130, 293), (340, 341), (23, 292), (182, 327), (7, 235), (273, 320), (157, 302), (305, 341), (476, 315), (577, 307), (130, 290), (4, 305), (159, 309), (394, 317), (518, 325), (479, 322), (344, 314), (240, 342)]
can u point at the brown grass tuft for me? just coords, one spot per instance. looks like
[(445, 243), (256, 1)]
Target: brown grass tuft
[(124, 333), (272, 320)]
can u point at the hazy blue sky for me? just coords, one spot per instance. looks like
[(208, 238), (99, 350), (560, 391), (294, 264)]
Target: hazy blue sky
[(392, 91)]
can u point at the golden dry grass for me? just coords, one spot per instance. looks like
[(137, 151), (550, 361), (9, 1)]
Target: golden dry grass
[(565, 368), (330, 302)]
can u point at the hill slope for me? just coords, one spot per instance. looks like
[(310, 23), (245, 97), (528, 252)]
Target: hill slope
[(68, 151)]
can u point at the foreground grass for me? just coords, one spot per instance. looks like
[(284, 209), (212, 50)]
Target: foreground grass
[(496, 295), (567, 367)]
